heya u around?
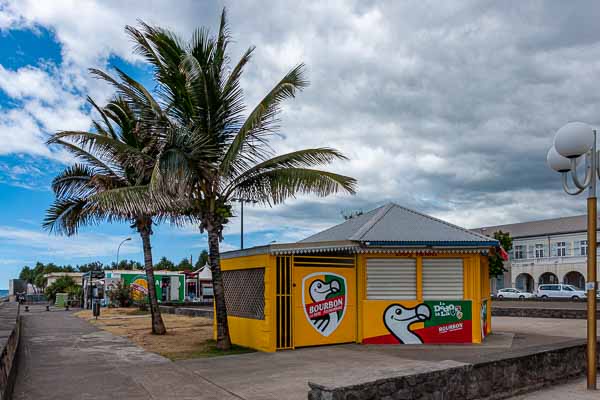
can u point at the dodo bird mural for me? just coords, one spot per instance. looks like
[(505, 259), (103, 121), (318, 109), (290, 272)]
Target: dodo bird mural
[(398, 320), (327, 304)]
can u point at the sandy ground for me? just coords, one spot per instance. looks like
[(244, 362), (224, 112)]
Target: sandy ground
[(186, 336)]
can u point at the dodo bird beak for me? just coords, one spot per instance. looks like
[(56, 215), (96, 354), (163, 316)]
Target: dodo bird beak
[(334, 287), (423, 312)]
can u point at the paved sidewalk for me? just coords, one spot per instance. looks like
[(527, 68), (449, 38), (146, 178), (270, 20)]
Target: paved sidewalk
[(64, 357)]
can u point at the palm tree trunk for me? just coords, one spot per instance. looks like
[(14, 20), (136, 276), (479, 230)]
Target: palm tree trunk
[(145, 230), (214, 258)]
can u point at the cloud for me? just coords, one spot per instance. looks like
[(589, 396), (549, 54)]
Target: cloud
[(84, 245), (445, 107)]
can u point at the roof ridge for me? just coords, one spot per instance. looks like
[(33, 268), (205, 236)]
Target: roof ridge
[(445, 223), (341, 223), (367, 226)]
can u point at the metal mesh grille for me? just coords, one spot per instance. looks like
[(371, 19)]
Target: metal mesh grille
[(245, 293)]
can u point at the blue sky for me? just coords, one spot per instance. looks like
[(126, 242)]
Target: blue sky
[(25, 186), (445, 107)]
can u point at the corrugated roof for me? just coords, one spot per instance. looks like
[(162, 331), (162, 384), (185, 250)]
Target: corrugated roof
[(392, 224), (554, 226)]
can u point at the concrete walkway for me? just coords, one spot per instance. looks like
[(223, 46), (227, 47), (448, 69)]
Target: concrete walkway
[(64, 357)]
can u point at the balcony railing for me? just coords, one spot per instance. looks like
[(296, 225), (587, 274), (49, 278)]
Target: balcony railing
[(523, 262)]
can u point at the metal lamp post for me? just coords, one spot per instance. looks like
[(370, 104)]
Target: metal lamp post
[(242, 201), (574, 143), (119, 248)]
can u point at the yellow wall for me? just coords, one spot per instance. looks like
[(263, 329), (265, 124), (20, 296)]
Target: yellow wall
[(255, 333), (261, 334), (476, 289)]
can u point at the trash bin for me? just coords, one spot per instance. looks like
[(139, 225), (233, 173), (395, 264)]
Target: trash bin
[(96, 309)]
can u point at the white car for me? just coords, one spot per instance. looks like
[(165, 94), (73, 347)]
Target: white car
[(512, 293), (557, 290)]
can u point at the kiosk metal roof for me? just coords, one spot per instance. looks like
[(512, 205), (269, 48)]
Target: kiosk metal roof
[(388, 228)]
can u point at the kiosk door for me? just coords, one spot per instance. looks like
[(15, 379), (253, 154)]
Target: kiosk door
[(324, 304)]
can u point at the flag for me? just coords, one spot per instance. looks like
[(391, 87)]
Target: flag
[(503, 253)]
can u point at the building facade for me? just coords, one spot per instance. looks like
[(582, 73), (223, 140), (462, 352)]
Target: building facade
[(389, 276), (546, 251)]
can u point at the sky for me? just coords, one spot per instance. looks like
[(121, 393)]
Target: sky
[(447, 107)]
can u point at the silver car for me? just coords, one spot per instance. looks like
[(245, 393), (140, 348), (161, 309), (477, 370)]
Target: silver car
[(512, 293), (560, 291)]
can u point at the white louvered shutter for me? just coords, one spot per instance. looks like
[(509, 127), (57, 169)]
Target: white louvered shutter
[(442, 279), (391, 279)]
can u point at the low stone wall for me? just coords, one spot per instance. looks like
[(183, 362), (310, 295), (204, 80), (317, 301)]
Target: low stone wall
[(10, 334), (529, 312), (189, 311), (493, 379)]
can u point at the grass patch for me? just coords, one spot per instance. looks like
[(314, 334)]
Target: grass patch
[(207, 349)]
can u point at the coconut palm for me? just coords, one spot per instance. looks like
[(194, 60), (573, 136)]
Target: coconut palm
[(117, 160), (214, 151)]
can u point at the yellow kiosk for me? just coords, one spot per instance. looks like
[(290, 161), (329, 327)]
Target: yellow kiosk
[(389, 276)]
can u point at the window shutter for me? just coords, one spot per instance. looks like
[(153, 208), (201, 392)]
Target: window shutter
[(576, 248), (567, 248), (554, 247), (530, 249), (443, 279), (391, 279)]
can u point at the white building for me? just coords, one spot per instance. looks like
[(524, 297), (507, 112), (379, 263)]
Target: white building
[(546, 251)]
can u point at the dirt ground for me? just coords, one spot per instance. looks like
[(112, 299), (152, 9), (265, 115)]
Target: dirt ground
[(187, 337)]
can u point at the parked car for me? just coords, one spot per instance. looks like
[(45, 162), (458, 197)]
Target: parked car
[(560, 291), (512, 293)]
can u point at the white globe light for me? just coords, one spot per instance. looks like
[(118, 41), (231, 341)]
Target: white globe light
[(557, 162), (574, 139)]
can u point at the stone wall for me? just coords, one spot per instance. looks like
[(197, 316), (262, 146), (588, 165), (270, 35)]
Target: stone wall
[(493, 379), (189, 311), (10, 333), (529, 312)]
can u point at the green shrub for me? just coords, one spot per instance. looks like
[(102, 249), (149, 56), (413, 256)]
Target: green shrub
[(121, 295)]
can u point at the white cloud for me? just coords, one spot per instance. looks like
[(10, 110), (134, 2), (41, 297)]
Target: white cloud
[(81, 246), (448, 108)]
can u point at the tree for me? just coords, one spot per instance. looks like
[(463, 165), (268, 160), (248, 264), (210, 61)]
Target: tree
[(125, 265), (164, 264), (184, 265), (211, 150), (496, 262), (64, 284), (202, 259), (117, 160), (93, 266), (121, 295)]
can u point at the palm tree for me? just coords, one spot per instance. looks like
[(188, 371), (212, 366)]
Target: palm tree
[(212, 150), (116, 168)]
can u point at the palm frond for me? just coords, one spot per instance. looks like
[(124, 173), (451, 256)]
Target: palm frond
[(104, 118), (80, 152), (306, 158), (275, 186), (249, 145), (67, 215), (74, 181)]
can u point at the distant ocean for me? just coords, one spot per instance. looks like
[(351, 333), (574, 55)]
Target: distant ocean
[(3, 292)]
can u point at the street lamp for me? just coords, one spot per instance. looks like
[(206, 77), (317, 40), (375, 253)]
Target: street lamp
[(119, 248), (574, 142), (242, 201)]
